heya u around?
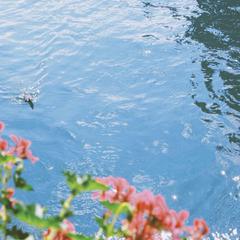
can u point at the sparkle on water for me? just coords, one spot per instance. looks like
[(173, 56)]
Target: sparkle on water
[(144, 89)]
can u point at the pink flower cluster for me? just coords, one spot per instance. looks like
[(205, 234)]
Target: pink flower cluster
[(61, 234), (20, 149), (150, 213)]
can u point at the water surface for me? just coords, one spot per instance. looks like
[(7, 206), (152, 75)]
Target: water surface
[(146, 90)]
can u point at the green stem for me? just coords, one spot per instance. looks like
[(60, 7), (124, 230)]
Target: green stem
[(66, 206), (115, 217), (5, 223), (5, 178)]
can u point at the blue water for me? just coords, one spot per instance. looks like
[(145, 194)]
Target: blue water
[(146, 90)]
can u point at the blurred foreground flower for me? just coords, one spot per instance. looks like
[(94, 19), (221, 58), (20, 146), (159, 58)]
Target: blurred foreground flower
[(21, 148), (129, 215), (148, 213)]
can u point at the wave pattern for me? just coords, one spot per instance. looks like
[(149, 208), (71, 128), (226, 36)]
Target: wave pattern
[(144, 89)]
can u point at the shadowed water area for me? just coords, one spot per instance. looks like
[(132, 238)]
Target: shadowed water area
[(146, 90)]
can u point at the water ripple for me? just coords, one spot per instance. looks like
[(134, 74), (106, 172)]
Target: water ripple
[(147, 90)]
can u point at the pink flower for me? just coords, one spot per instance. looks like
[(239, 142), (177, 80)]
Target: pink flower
[(120, 190), (160, 209), (10, 193), (2, 126), (3, 145), (21, 148), (150, 214), (139, 227), (144, 201), (66, 228), (174, 222), (199, 229), (181, 217)]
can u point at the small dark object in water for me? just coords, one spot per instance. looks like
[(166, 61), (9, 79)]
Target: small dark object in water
[(27, 99), (30, 103), (150, 36)]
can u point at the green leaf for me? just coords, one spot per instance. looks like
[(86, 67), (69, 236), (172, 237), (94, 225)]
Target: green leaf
[(17, 233), (84, 183), (34, 216), (99, 221), (6, 158), (102, 224), (79, 237), (20, 182), (118, 208)]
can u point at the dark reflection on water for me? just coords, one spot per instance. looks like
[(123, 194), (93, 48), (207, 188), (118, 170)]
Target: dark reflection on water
[(217, 27)]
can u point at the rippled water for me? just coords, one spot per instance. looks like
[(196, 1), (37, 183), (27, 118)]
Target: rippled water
[(147, 90)]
